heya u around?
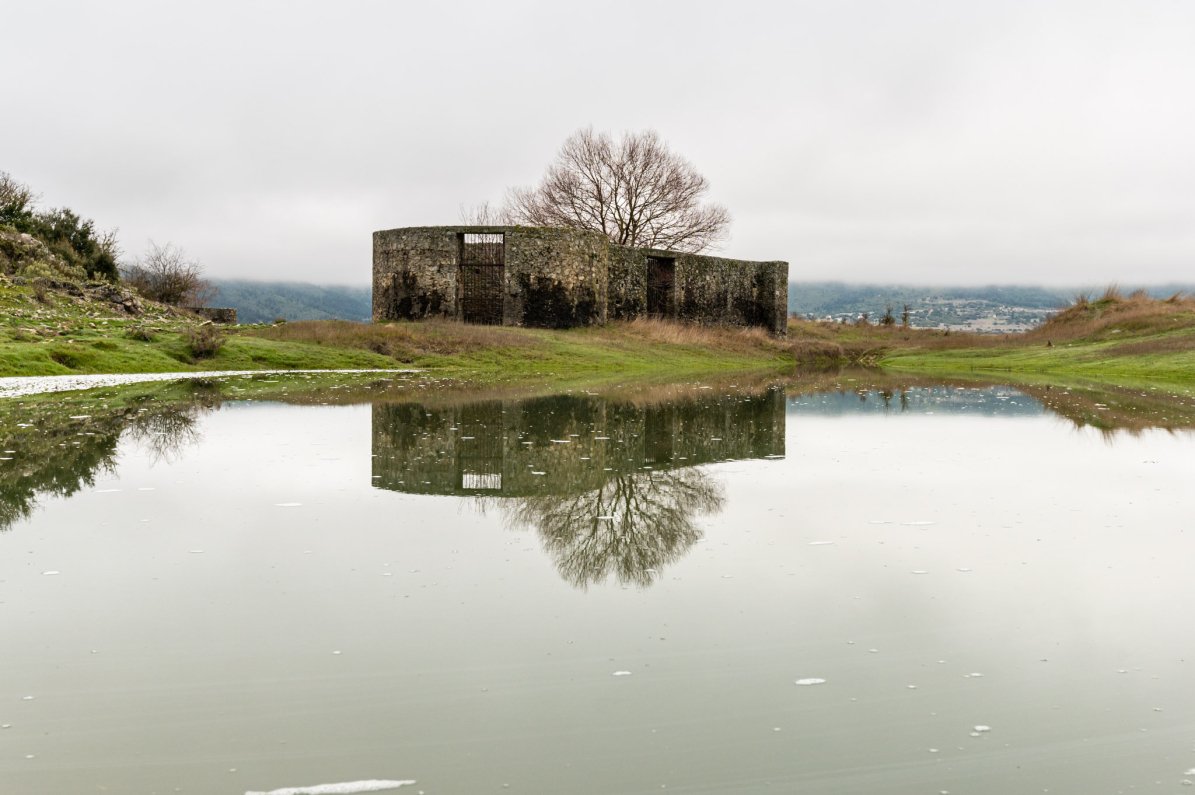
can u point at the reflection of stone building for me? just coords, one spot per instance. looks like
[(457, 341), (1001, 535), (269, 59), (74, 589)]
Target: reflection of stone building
[(564, 444), (611, 488)]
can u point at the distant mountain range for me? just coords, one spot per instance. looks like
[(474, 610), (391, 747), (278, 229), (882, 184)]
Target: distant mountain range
[(992, 308), (263, 302)]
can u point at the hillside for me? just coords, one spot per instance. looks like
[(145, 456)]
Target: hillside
[(264, 302), (997, 308)]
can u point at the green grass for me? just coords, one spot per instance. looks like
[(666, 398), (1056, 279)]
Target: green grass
[(1114, 337), (1110, 338), (1079, 359), (71, 335)]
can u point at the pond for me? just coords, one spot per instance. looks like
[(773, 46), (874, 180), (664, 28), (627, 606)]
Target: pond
[(836, 583)]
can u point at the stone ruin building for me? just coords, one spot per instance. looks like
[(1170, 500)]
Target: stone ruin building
[(552, 277)]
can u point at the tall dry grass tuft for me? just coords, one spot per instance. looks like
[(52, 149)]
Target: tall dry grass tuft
[(1136, 312), (405, 341), (670, 332)]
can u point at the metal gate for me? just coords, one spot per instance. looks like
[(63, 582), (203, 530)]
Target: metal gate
[(661, 280), (483, 272)]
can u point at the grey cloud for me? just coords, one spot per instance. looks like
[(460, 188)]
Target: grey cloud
[(914, 141)]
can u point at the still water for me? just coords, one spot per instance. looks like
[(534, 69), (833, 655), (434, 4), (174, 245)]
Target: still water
[(840, 585)]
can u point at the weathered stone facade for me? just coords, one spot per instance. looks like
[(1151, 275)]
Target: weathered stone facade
[(505, 447), (563, 278), (216, 314)]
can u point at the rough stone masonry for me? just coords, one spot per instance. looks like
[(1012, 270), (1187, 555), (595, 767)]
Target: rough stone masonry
[(564, 278)]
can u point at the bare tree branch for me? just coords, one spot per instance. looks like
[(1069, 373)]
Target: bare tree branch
[(165, 274), (484, 214)]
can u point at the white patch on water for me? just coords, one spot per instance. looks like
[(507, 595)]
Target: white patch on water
[(48, 573), (964, 570), (920, 571), (983, 728), (18, 386), (819, 543), (621, 673), (878, 521), (344, 788), (810, 682)]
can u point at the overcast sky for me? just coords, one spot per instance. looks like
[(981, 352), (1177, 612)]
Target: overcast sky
[(926, 142)]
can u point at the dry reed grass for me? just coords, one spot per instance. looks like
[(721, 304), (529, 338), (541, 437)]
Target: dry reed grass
[(404, 341), (671, 332)]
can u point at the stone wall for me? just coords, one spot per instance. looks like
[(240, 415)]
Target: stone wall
[(711, 291), (216, 314), (553, 278), (628, 283), (729, 292), (563, 278), (415, 273)]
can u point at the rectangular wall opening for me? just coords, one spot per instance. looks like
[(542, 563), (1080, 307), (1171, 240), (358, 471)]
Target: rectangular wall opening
[(661, 282), (482, 277)]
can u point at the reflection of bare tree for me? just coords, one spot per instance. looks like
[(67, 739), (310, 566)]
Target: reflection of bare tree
[(631, 527), (165, 433)]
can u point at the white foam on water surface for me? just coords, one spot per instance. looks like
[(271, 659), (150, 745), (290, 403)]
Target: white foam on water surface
[(32, 385), (621, 673), (819, 543), (983, 728), (49, 573), (343, 788), (810, 682)]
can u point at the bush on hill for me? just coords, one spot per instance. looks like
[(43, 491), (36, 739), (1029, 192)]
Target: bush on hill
[(72, 239)]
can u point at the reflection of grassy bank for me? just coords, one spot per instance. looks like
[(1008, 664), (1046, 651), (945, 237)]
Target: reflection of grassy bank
[(61, 441), (1131, 405)]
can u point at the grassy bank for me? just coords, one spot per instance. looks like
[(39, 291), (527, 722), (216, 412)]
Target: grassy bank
[(1115, 336), (93, 330), (61, 332)]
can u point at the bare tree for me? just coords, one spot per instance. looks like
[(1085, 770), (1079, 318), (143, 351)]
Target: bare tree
[(165, 274), (16, 194), (631, 527), (485, 214), (636, 191)]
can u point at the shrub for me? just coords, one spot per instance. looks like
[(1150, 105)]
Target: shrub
[(41, 290), (165, 274), (71, 238), (204, 340), (142, 333)]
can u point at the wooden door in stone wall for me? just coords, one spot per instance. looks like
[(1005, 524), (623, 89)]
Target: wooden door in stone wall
[(482, 278), (661, 282)]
